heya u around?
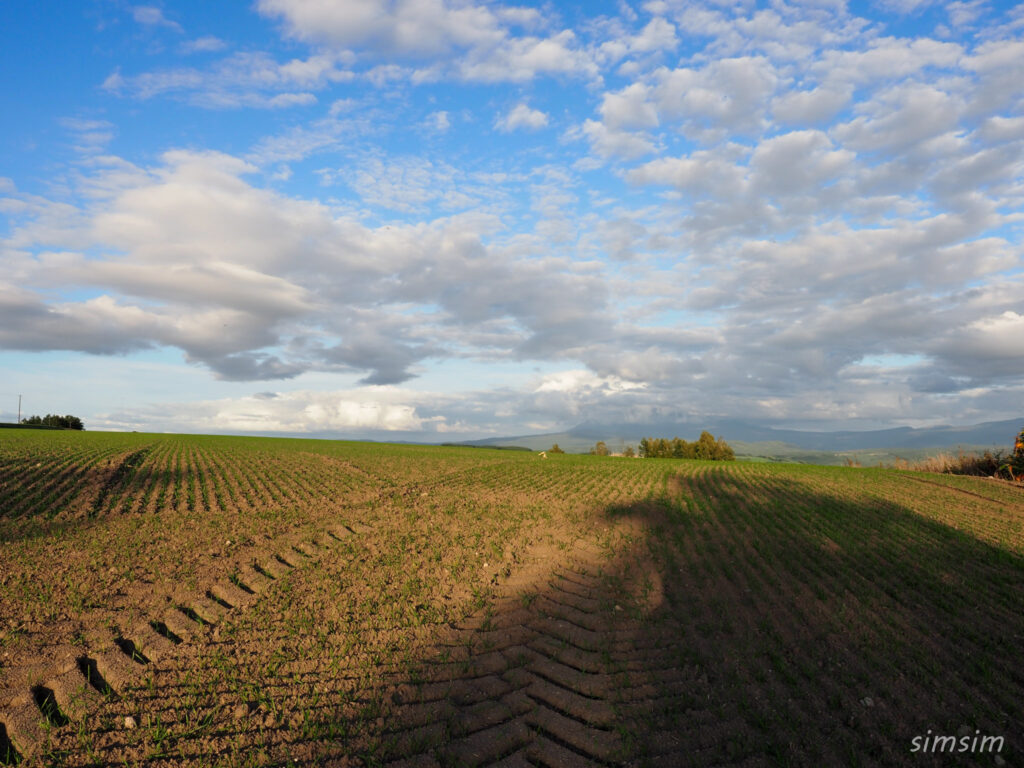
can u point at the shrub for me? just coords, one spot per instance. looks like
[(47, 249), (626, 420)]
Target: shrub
[(985, 465), (1014, 464), (988, 464)]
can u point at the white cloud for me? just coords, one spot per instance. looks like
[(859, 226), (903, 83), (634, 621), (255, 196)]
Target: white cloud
[(478, 41), (521, 59), (305, 140), (1003, 128), (90, 136), (266, 287), (629, 108), (205, 44), (363, 410), (439, 121), (999, 68), (901, 117), (611, 143), (657, 35), (811, 107), (963, 14), (522, 116), (409, 184), (584, 381), (286, 100), (240, 80), (798, 162), (731, 95), (413, 27), (151, 16), (701, 173), (886, 59)]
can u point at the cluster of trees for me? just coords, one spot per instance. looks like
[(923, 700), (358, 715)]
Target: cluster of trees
[(53, 420), (705, 447), (601, 449)]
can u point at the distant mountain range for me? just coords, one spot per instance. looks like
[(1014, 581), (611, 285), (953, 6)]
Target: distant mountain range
[(757, 441)]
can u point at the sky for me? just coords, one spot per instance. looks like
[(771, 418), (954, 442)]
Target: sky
[(448, 219)]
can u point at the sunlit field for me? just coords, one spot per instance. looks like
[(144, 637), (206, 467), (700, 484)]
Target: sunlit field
[(188, 600)]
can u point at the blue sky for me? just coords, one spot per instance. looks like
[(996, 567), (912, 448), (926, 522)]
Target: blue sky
[(438, 219)]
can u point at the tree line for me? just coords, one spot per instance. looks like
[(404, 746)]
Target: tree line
[(53, 420), (704, 447)]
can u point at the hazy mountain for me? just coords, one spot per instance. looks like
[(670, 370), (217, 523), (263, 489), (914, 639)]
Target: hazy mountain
[(753, 439)]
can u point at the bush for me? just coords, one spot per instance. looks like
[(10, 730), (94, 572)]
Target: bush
[(988, 464), (984, 465), (1014, 464), (555, 449)]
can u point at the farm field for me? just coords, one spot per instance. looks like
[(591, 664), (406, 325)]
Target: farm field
[(197, 600)]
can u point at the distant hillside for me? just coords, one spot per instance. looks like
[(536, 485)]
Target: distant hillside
[(752, 440)]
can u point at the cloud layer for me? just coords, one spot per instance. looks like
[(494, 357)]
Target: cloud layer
[(782, 212)]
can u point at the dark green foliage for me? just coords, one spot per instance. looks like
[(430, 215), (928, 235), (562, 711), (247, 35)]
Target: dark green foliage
[(706, 447), (1014, 466), (53, 420)]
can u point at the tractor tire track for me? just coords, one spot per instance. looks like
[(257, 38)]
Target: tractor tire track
[(535, 678), (38, 698)]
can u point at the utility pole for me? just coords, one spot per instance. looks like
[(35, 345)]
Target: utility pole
[(19, 409)]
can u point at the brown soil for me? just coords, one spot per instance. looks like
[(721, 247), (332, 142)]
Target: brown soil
[(518, 614)]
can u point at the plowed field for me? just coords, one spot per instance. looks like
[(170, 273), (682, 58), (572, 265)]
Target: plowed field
[(181, 600)]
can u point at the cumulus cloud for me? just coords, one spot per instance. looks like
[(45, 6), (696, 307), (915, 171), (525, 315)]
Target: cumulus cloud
[(439, 121), (416, 27), (901, 117), (608, 142), (520, 59), (631, 107), (361, 411), (522, 116), (813, 106), (254, 285), (731, 95), (885, 60), (657, 35), (481, 38)]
